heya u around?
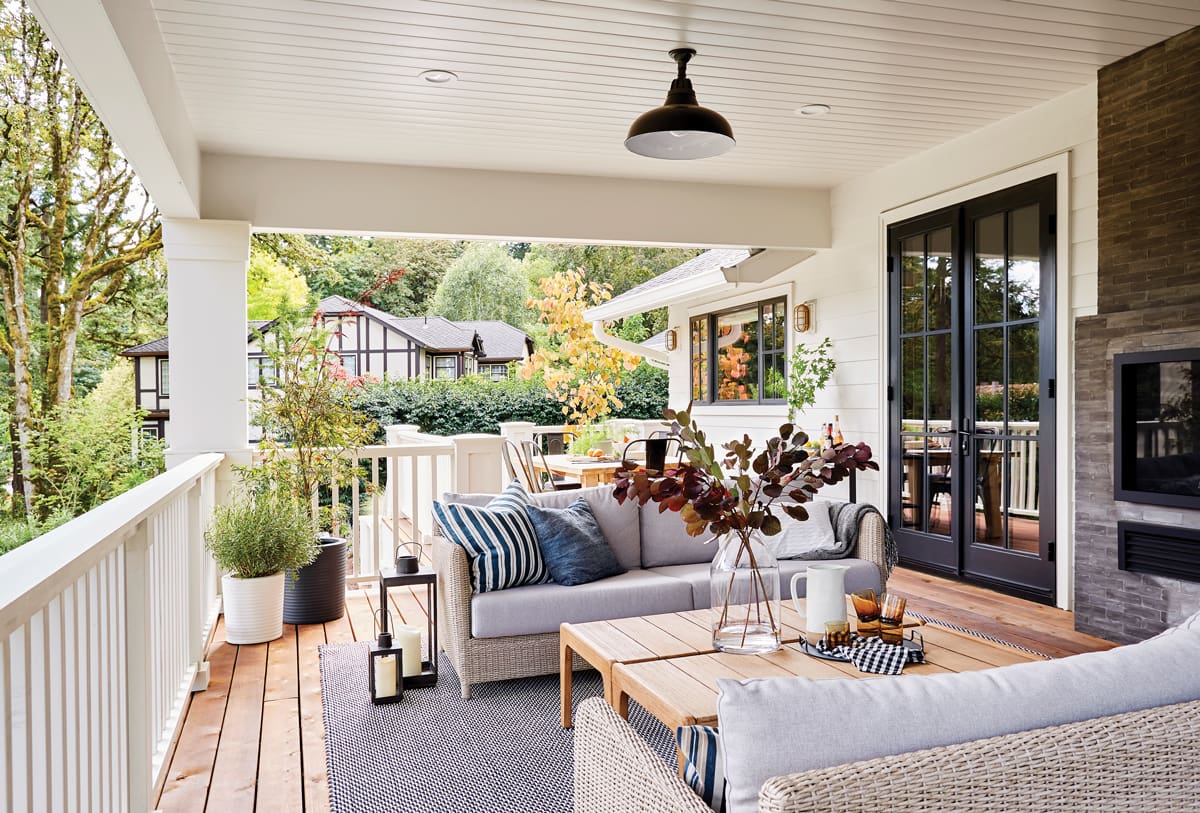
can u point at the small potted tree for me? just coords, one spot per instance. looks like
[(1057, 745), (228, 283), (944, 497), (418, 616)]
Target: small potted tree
[(310, 431), (256, 539)]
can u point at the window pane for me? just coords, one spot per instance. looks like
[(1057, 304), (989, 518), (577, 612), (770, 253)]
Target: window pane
[(912, 284), (737, 355), (912, 376), (1023, 373), (989, 269), (938, 266), (768, 327), (445, 367), (774, 384), (989, 375), (1024, 263), (700, 359), (781, 325), (163, 377)]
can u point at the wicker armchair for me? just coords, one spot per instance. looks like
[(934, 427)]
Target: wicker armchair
[(479, 660), (1142, 760)]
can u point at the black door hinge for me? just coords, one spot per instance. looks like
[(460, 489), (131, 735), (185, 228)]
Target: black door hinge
[(1051, 388), (1050, 552), (891, 264), (1053, 224), (891, 392)]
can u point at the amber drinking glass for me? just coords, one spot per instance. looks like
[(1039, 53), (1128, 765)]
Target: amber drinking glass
[(837, 633), (866, 607), (891, 618)]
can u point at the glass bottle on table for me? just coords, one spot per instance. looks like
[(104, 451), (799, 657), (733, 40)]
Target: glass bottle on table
[(838, 438)]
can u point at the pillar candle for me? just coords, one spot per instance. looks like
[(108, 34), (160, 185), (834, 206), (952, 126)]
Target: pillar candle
[(409, 639), (385, 676)]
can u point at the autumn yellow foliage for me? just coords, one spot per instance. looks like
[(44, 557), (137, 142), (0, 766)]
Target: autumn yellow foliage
[(580, 372)]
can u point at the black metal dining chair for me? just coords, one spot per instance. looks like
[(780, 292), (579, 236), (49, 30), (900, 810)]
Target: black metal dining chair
[(543, 478)]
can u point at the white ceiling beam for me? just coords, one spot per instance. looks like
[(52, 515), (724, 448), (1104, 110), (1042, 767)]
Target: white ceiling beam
[(277, 194), (115, 51)]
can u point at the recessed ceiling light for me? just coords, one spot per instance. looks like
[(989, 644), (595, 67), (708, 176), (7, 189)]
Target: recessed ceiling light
[(437, 76), (814, 110)]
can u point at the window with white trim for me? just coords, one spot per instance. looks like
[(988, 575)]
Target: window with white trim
[(739, 355)]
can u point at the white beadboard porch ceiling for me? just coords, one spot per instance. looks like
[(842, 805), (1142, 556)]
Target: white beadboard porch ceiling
[(553, 86)]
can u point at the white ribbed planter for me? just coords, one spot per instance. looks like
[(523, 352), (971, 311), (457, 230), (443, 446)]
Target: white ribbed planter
[(253, 608)]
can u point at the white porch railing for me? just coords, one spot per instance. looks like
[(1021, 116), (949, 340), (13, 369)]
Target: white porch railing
[(103, 623)]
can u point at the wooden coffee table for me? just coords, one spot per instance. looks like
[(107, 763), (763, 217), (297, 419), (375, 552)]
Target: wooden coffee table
[(683, 690), (606, 644)]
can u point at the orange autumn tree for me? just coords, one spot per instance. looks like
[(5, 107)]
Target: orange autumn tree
[(580, 372)]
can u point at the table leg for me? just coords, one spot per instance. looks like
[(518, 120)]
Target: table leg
[(991, 499), (620, 703), (565, 681)]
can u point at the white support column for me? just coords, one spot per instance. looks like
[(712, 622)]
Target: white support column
[(206, 290), (478, 468)]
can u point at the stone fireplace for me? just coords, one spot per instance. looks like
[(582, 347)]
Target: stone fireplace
[(1148, 299)]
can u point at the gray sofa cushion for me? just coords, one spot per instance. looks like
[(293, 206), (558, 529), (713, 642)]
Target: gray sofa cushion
[(861, 575), (833, 722), (542, 607), (665, 540), (619, 523)]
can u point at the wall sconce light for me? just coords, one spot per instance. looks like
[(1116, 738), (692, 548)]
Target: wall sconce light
[(802, 317), (671, 340)]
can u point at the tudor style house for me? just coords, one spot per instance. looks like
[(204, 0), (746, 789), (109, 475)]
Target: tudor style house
[(368, 341)]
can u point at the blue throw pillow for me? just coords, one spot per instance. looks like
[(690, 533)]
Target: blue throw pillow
[(499, 540), (572, 544), (702, 768)]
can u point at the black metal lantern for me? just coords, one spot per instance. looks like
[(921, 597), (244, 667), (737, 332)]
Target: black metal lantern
[(384, 675), (426, 674)]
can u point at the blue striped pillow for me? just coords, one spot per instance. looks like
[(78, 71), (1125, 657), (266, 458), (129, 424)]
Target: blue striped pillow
[(499, 540), (702, 767)]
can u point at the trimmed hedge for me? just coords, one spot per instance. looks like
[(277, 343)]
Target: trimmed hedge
[(478, 404)]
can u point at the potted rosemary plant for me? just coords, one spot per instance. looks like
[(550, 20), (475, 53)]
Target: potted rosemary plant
[(736, 505), (256, 539)]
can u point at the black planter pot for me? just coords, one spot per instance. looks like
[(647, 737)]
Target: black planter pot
[(318, 593)]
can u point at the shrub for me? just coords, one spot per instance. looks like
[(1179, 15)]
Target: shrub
[(16, 532), (1022, 403), (261, 534), (477, 404)]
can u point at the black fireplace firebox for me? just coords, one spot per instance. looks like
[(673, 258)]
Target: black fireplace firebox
[(1156, 432)]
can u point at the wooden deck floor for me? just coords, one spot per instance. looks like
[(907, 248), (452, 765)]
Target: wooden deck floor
[(255, 740)]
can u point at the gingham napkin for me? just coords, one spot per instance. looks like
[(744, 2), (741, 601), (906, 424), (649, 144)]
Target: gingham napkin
[(874, 656)]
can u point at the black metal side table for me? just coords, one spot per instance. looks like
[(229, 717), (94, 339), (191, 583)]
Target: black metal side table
[(388, 577)]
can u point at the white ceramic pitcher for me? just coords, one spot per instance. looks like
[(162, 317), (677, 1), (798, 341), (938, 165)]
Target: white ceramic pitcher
[(825, 596)]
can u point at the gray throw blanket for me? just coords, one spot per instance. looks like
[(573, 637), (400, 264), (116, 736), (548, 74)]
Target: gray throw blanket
[(846, 519)]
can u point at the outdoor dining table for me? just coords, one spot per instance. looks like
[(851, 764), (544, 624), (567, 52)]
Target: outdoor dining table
[(579, 467)]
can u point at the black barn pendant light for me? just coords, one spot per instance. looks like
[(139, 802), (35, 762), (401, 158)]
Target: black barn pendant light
[(681, 129)]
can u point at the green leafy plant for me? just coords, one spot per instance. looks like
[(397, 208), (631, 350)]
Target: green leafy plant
[(310, 426), (588, 437), (261, 533), (811, 367)]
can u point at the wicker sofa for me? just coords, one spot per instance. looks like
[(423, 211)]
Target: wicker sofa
[(1113, 730), (513, 633)]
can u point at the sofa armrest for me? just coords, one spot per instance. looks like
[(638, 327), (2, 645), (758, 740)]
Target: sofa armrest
[(616, 770), (871, 544), (1142, 760), (454, 592)]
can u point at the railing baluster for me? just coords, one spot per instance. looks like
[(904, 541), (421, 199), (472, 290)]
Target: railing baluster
[(356, 524), (376, 498)]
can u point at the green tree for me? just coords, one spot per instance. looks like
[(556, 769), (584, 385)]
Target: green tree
[(484, 283), (268, 283), (75, 221)]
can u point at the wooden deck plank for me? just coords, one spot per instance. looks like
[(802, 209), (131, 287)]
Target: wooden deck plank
[(280, 775), (235, 770), (281, 666), (190, 771), (359, 608), (312, 725)]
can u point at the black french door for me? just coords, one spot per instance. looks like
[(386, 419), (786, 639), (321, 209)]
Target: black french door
[(971, 489)]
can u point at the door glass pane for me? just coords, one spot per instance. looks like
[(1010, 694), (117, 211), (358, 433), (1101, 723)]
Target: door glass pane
[(989, 479), (914, 509), (1024, 263), (1023, 376), (1021, 507), (912, 284), (939, 468), (938, 266), (989, 376), (989, 269), (912, 388), (737, 355), (939, 381)]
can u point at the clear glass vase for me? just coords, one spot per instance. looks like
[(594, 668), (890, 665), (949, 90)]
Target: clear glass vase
[(745, 595)]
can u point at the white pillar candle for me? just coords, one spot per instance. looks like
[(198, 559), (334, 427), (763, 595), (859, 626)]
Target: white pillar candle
[(385, 676), (409, 639)]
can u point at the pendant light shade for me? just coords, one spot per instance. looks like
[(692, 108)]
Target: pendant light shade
[(681, 129)]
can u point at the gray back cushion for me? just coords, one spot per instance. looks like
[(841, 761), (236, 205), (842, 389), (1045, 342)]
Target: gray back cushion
[(665, 540), (618, 523), (833, 722)]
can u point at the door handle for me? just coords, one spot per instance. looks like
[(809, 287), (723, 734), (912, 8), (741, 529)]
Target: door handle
[(964, 443)]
